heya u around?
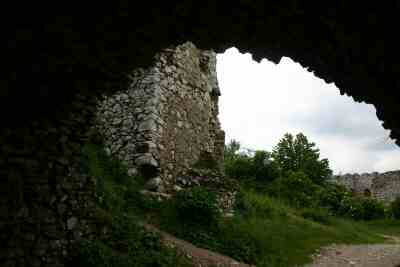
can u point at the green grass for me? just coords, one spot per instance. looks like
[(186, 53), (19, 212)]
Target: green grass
[(118, 214), (267, 232), (264, 231), (386, 227)]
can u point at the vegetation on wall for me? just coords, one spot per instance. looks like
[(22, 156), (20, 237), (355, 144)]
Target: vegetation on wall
[(282, 215), (122, 240)]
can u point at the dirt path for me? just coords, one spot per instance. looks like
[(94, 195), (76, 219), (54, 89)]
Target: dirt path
[(378, 255), (200, 257)]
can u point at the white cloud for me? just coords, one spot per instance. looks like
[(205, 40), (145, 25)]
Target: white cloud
[(262, 101)]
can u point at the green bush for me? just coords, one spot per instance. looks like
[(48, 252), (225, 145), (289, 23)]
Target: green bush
[(296, 188), (317, 215), (247, 166), (341, 202), (197, 205), (332, 196), (136, 247), (362, 208), (372, 209), (251, 203), (119, 205), (395, 208)]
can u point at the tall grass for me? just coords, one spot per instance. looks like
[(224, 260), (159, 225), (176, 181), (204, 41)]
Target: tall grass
[(268, 232)]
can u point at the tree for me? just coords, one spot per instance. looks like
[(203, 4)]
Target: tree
[(298, 154), (231, 150), (245, 163), (237, 164), (265, 169)]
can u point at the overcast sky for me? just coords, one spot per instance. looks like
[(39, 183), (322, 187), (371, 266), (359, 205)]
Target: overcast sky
[(262, 101)]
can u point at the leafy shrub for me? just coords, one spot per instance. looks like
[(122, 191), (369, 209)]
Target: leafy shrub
[(362, 209), (138, 248), (237, 243), (372, 209), (248, 165), (197, 205), (297, 188), (252, 204), (119, 203), (240, 167), (317, 215), (341, 202), (395, 208), (332, 196)]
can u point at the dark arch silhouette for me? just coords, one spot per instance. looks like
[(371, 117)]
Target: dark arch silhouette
[(52, 54)]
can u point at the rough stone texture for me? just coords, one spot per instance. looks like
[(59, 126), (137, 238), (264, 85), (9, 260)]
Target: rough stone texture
[(55, 53), (167, 117), (382, 186), (225, 188), (159, 126), (51, 57), (46, 200)]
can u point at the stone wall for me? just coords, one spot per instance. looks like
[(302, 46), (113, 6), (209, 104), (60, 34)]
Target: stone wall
[(382, 186), (167, 117), (46, 200), (159, 126)]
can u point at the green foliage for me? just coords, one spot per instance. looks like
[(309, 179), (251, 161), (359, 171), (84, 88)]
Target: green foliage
[(341, 202), (296, 188), (198, 206), (318, 215), (246, 166), (332, 196), (298, 154), (268, 232), (128, 245), (358, 209), (395, 208), (112, 180), (250, 203), (371, 209), (119, 206)]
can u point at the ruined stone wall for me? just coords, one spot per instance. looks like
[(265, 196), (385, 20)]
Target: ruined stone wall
[(167, 117), (46, 200), (386, 186), (159, 125), (382, 186)]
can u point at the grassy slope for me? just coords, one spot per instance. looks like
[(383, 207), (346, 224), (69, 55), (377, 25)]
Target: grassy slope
[(271, 234), (124, 241), (266, 231)]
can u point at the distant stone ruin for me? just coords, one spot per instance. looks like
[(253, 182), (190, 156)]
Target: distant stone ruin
[(382, 186)]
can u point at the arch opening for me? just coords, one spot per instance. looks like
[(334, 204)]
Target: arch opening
[(262, 101)]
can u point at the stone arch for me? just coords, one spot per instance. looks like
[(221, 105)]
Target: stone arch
[(55, 64)]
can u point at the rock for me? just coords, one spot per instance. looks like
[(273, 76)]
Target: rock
[(148, 125), (177, 188), (116, 121), (146, 159), (153, 184), (132, 171), (72, 223)]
